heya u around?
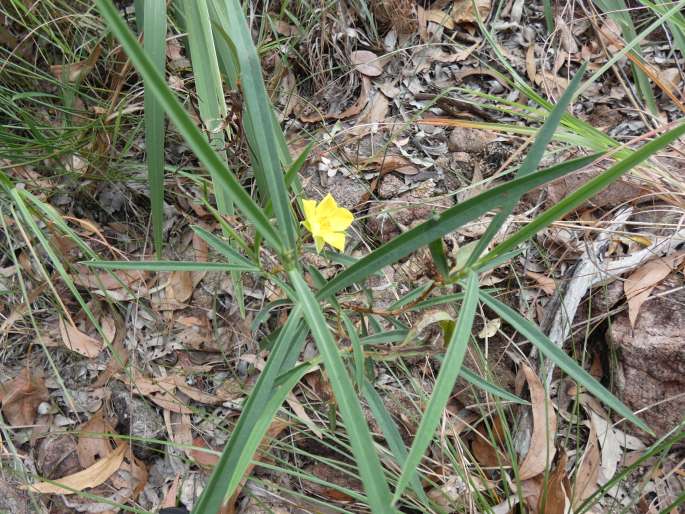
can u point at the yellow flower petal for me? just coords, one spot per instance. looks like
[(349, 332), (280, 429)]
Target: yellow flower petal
[(340, 219), (336, 240), (327, 205), (327, 222), (309, 207)]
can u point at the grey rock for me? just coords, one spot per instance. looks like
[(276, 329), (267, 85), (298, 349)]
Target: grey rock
[(651, 358), (137, 418)]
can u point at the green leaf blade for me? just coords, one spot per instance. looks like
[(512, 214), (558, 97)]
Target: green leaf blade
[(449, 371), (533, 334), (155, 47), (366, 458), (193, 136), (448, 221)]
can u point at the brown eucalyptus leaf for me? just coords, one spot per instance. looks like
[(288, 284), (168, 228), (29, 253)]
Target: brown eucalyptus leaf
[(541, 450)]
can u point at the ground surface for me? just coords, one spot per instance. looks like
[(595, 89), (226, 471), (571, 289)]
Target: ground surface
[(410, 114)]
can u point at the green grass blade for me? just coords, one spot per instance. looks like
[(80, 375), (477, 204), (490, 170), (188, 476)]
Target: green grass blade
[(446, 222), (392, 436), (619, 12), (264, 143), (494, 390), (224, 248), (366, 458), (193, 136), (168, 266), (357, 350), (530, 163), (533, 334), (155, 47), (442, 390), (210, 91), (260, 408), (584, 193), (437, 250)]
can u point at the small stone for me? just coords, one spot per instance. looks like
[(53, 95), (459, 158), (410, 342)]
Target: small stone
[(137, 418), (468, 140), (391, 186)]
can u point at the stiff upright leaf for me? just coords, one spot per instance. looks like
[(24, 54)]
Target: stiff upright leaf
[(366, 458), (210, 91), (262, 404), (261, 130), (154, 32), (193, 136), (449, 371)]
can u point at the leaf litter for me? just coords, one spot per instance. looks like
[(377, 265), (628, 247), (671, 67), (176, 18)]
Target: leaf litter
[(190, 352)]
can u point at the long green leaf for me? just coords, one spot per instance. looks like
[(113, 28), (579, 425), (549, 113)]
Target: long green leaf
[(193, 136), (155, 47), (449, 371), (392, 436), (210, 91), (260, 408), (533, 334), (446, 222), (530, 163), (265, 144), (357, 350), (224, 248), (584, 193), (366, 458), (168, 266)]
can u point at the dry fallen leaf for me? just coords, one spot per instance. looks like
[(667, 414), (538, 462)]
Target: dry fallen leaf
[(367, 63), (541, 450), (486, 454), (202, 454), (106, 280), (352, 110), (543, 281), (76, 71), (641, 282), (490, 328), (77, 341), (554, 499), (170, 498), (462, 10), (440, 17), (92, 476), (21, 397), (93, 441), (587, 471), (374, 114)]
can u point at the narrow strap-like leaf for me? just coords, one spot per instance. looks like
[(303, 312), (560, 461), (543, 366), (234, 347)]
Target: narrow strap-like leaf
[(449, 371), (584, 193), (533, 334), (154, 16), (366, 458), (193, 136), (260, 408), (446, 222), (530, 163)]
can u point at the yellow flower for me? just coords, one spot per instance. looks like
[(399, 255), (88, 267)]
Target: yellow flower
[(327, 222)]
